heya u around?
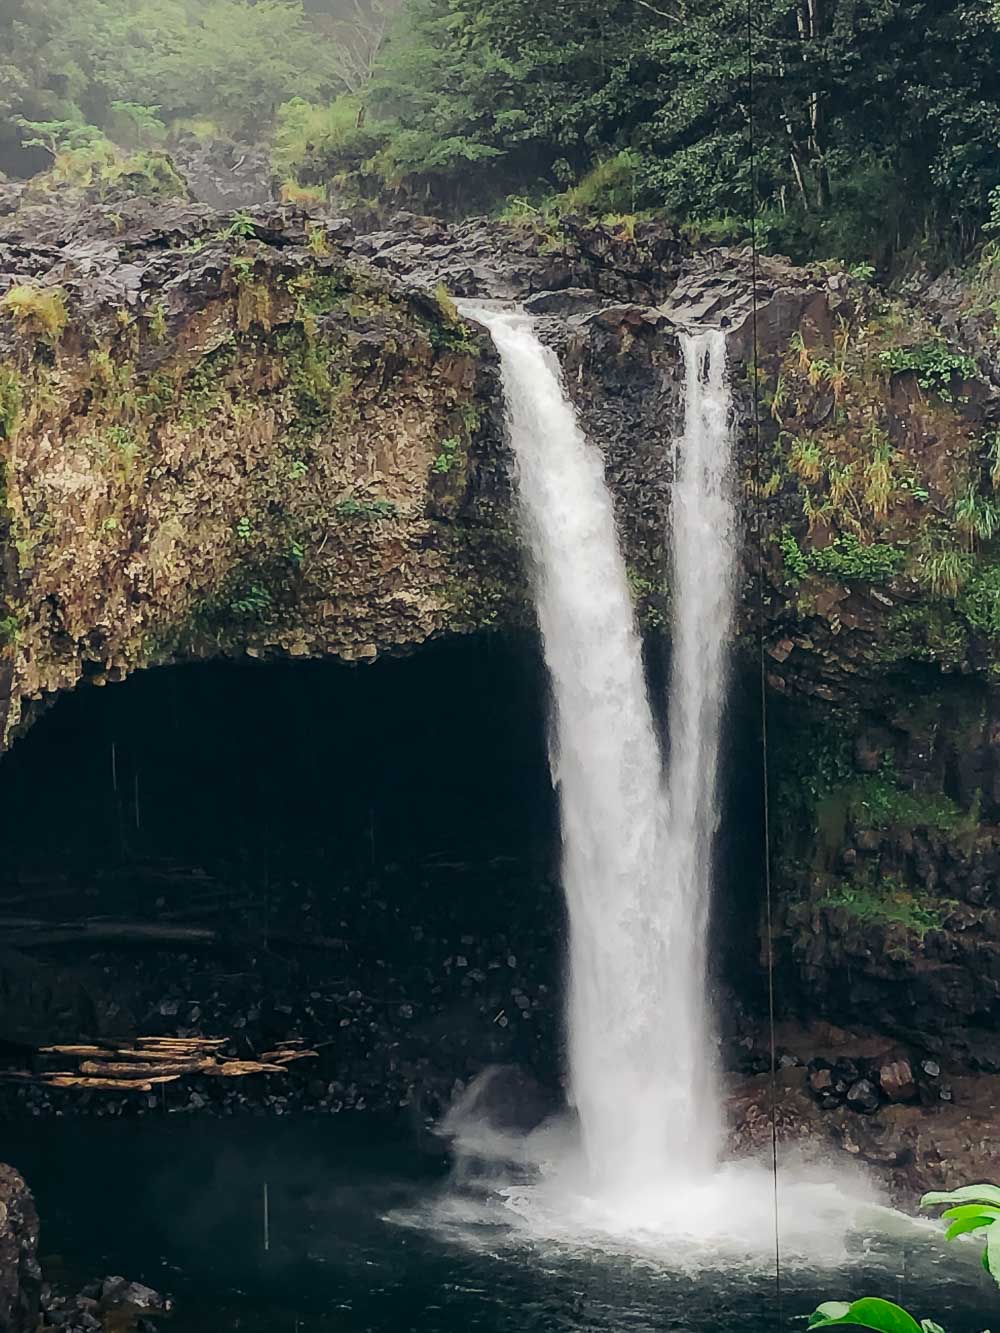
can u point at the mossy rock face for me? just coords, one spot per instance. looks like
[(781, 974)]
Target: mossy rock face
[(237, 449)]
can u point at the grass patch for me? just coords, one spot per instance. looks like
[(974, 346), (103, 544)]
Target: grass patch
[(353, 508), (888, 902), (980, 601), (39, 310), (877, 801)]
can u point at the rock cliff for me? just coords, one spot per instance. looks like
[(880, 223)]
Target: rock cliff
[(263, 434)]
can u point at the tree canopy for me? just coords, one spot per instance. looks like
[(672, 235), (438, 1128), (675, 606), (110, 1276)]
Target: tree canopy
[(876, 123), (876, 120)]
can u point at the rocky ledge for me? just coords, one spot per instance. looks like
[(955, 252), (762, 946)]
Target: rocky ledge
[(263, 433), (20, 1275)]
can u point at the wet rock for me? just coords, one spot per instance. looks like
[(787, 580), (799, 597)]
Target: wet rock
[(20, 1276), (112, 1302), (897, 1081), (821, 1080), (863, 1097)]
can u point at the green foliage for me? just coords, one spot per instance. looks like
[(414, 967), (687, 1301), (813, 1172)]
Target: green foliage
[(870, 1312), (448, 456), (849, 558), (972, 1208), (10, 627), (886, 901), (812, 760), (134, 125), (11, 401), (943, 569), (625, 106), (310, 134), (447, 306), (254, 603), (611, 186), (845, 558), (132, 66), (877, 801), (979, 601), (38, 310), (806, 459), (977, 517), (796, 564), (355, 508), (935, 365)]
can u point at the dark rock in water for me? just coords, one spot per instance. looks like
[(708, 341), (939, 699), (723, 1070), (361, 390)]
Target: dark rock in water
[(111, 1302), (20, 1276), (862, 1096), (897, 1081), (846, 1071), (119, 1291)]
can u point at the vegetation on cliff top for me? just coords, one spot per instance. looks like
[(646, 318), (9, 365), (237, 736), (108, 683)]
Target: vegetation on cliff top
[(862, 113)]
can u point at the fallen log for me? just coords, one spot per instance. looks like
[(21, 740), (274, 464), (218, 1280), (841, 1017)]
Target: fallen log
[(104, 1084), (240, 1068), (111, 1069)]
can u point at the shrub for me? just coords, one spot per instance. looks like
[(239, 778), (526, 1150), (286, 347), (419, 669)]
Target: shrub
[(609, 187), (849, 558), (935, 365), (979, 602)]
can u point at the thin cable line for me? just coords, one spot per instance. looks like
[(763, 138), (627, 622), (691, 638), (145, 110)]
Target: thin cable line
[(758, 449)]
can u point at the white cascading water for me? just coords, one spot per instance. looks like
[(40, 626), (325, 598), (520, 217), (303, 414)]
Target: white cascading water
[(635, 860), (637, 854), (704, 552)]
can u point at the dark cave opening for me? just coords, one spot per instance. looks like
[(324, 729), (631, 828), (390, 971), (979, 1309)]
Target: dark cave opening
[(375, 849)]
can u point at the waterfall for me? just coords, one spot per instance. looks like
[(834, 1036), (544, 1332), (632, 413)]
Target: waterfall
[(637, 869), (704, 549), (636, 855)]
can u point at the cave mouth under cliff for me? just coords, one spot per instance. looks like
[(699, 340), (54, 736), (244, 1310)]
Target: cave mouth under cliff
[(400, 813)]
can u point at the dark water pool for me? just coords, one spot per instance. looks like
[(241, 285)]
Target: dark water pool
[(179, 1204)]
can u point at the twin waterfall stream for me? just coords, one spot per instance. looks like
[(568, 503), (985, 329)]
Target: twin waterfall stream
[(642, 1166), (637, 845)]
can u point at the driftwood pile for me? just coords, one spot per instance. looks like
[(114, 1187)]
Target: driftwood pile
[(147, 1061)]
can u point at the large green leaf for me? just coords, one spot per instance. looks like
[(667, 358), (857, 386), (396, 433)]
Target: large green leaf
[(991, 1256), (966, 1210), (988, 1194), (869, 1312), (964, 1225)]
